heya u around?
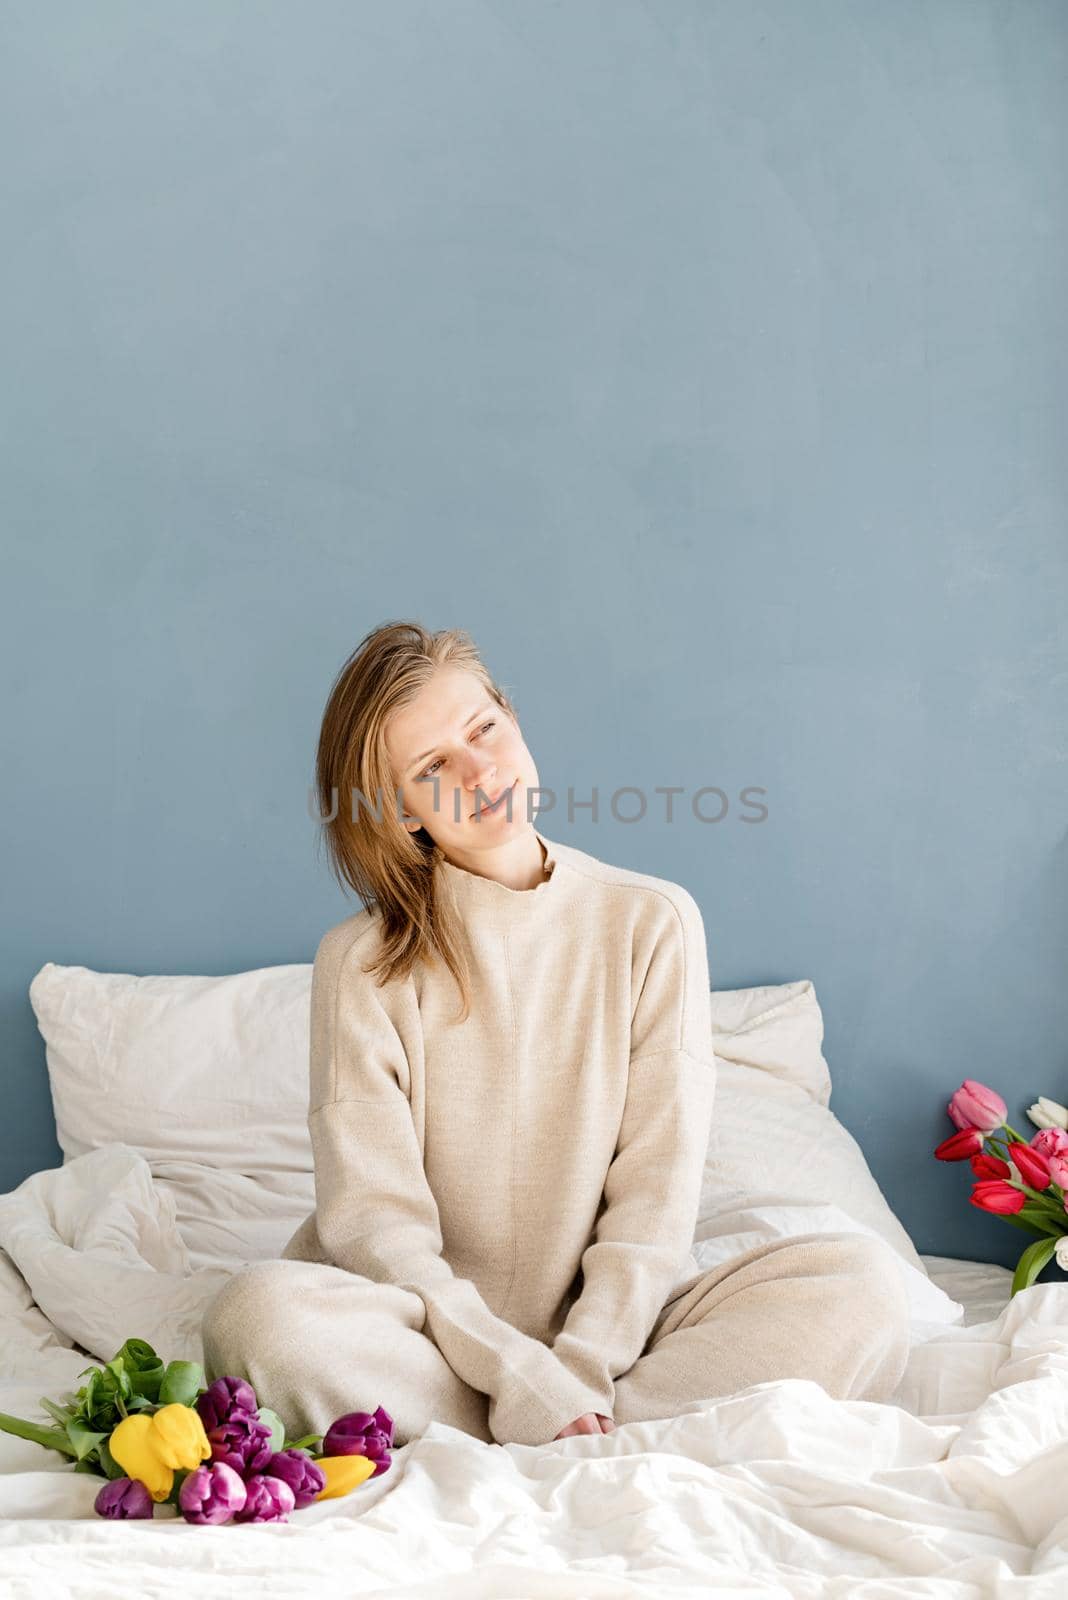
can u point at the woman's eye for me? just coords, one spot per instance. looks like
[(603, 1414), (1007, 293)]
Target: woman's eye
[(429, 771)]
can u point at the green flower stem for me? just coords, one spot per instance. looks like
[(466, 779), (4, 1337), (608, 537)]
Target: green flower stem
[(1040, 1199), (51, 1438), (1013, 1135)]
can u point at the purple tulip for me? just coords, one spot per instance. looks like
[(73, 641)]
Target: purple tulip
[(362, 1433), (242, 1442), (122, 1498), (303, 1476), (211, 1494), (268, 1500), (225, 1398)]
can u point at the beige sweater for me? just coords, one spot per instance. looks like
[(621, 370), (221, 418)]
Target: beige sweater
[(562, 1127)]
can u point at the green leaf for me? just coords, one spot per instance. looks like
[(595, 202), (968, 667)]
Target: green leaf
[(113, 1384), (103, 1404), (182, 1382), (276, 1425), (143, 1366), (51, 1438), (120, 1378), (310, 1441), (101, 1383), (176, 1489), (82, 1438), (1031, 1263), (62, 1414), (110, 1466), (139, 1354), (1040, 1221), (87, 1394), (1017, 1221)]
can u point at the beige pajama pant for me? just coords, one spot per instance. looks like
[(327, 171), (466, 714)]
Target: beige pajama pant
[(316, 1341)]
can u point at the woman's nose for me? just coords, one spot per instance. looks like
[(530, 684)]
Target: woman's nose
[(479, 776)]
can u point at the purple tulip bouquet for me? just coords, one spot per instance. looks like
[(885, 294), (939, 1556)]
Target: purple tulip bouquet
[(156, 1433)]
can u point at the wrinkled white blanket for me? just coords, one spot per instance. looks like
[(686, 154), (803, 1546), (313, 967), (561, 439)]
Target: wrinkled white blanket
[(958, 1489)]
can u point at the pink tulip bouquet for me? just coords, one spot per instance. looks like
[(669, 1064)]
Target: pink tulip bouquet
[(1024, 1183), (155, 1433)]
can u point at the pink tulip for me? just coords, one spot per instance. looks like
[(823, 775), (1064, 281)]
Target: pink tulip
[(975, 1106), (1058, 1171), (985, 1166), (303, 1475), (998, 1197), (211, 1493), (1031, 1165), (1051, 1142), (960, 1145), (267, 1500)]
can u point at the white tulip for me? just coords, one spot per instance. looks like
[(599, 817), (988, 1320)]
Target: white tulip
[(1039, 1117), (1047, 1113), (1061, 1253)]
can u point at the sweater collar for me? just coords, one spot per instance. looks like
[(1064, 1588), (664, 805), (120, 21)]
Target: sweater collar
[(473, 893)]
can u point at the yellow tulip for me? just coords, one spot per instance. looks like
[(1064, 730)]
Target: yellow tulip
[(149, 1448), (343, 1474), (180, 1440), (132, 1444)]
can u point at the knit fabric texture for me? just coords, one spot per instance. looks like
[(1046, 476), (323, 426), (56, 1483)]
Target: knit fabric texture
[(533, 1174)]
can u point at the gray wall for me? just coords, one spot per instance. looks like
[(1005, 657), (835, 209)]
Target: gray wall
[(705, 360)]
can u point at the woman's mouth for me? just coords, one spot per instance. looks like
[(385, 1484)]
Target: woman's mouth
[(486, 808)]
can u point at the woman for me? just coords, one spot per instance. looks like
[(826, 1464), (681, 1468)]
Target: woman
[(507, 1188)]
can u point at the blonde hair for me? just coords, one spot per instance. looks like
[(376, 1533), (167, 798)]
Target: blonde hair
[(389, 868)]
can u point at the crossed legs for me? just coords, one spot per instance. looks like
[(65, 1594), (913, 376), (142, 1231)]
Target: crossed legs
[(316, 1341), (831, 1307)]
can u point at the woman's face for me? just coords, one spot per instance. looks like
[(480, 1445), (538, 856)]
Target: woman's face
[(453, 751)]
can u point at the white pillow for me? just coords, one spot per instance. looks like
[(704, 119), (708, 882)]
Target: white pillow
[(207, 1078), (779, 1161), (213, 1070)]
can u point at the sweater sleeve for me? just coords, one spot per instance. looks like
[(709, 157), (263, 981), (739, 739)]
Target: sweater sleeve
[(652, 1189), (376, 1215)]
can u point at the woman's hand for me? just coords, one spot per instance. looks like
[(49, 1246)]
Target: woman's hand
[(589, 1422)]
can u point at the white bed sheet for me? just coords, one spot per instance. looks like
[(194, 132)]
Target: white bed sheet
[(954, 1490)]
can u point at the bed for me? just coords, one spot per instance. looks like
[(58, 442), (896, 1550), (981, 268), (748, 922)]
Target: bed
[(173, 1177)]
